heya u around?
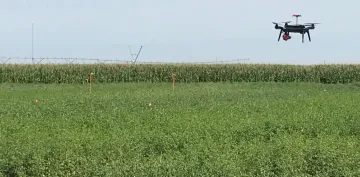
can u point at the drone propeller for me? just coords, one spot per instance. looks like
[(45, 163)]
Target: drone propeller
[(286, 22), (308, 24)]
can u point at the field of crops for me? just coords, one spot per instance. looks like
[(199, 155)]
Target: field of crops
[(187, 73), (198, 129)]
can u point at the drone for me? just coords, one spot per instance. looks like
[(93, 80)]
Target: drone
[(297, 28)]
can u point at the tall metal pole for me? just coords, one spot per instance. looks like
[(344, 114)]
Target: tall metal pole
[(32, 42)]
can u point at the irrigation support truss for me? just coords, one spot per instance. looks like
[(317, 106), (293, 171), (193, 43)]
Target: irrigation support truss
[(56, 60), (76, 60), (135, 54)]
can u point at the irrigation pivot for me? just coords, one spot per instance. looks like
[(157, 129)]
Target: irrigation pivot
[(135, 54)]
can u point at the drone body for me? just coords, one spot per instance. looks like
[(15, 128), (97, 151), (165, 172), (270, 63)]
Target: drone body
[(297, 28)]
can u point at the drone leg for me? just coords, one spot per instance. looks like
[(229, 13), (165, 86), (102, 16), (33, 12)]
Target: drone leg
[(280, 34), (308, 33), (302, 37)]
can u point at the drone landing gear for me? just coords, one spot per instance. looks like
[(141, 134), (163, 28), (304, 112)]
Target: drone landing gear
[(308, 33), (286, 37)]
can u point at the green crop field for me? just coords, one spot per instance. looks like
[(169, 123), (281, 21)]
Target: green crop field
[(197, 129), (185, 73)]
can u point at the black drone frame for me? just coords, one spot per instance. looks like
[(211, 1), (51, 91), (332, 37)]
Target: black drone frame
[(297, 28)]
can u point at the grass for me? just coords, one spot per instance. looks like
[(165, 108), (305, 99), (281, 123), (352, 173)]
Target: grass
[(200, 129)]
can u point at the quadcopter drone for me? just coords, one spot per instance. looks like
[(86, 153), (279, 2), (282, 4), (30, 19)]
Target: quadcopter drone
[(297, 28)]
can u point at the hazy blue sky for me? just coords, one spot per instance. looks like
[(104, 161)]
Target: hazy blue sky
[(182, 30)]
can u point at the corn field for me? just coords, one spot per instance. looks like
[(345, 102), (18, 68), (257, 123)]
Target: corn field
[(184, 73)]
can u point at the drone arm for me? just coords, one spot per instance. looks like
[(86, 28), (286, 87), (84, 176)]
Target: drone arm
[(310, 27), (278, 27)]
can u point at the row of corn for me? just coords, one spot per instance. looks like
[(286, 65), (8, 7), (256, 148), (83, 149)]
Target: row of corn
[(106, 73)]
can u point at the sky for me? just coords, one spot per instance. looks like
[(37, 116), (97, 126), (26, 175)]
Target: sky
[(179, 31)]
